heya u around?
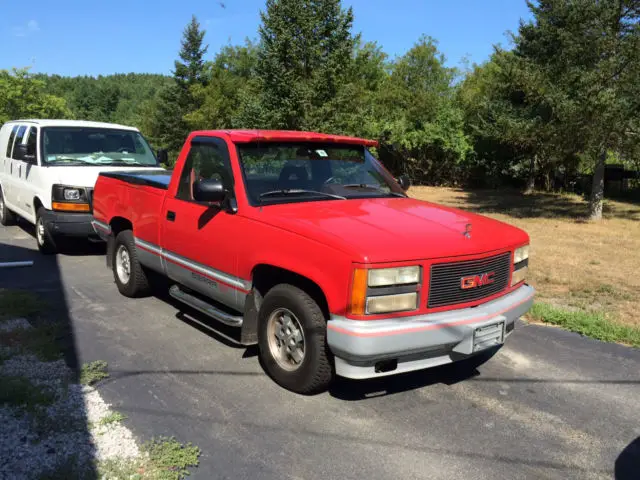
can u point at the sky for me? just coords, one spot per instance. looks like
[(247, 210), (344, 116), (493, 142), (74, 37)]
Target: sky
[(79, 37)]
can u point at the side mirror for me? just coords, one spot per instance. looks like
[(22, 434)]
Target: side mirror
[(21, 153), (209, 191), (163, 156), (404, 181)]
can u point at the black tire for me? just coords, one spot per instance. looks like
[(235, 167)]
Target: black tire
[(137, 284), (7, 217), (316, 371), (47, 243)]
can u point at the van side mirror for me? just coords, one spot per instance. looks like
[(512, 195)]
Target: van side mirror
[(404, 181), (163, 156), (21, 153), (209, 191)]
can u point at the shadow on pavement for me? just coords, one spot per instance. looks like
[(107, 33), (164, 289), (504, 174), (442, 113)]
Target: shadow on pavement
[(71, 246), (628, 462), (44, 280)]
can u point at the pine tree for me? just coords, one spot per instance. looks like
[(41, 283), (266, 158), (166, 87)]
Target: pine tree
[(167, 125), (190, 71), (306, 51)]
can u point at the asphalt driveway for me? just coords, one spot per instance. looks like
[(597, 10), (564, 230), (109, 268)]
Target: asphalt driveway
[(550, 404)]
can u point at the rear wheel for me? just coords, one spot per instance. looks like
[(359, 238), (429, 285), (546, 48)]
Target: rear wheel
[(128, 273), (7, 217), (292, 340), (46, 241)]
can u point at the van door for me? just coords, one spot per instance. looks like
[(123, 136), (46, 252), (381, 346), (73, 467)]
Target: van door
[(29, 173), (17, 173), (9, 194)]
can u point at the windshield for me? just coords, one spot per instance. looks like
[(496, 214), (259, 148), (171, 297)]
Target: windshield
[(278, 172), (95, 146)]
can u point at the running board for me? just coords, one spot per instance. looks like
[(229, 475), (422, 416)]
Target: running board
[(204, 307)]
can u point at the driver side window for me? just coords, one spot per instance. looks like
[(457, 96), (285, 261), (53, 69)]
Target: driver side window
[(208, 160)]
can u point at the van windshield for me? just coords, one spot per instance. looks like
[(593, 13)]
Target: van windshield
[(95, 146)]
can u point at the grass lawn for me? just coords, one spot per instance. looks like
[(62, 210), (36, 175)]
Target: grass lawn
[(577, 267)]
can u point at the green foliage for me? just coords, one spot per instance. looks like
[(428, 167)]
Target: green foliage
[(303, 61), (113, 417), (591, 324), (93, 372), (19, 303), (20, 392), (170, 458), (565, 96), (24, 96)]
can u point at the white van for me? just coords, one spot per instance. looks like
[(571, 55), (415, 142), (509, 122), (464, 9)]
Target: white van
[(48, 169)]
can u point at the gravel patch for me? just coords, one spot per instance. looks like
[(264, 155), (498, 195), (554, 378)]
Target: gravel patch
[(66, 435), (14, 324)]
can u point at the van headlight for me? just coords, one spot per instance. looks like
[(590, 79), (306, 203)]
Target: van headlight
[(520, 265), (385, 290), (67, 198)]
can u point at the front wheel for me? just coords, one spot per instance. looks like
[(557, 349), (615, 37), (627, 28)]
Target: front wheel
[(292, 340), (46, 242)]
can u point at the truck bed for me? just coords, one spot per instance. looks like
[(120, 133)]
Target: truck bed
[(155, 178)]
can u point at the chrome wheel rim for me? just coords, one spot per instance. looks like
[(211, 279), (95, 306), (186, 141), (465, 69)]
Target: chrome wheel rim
[(40, 232), (123, 264), (286, 339)]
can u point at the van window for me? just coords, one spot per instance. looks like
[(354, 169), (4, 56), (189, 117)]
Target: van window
[(32, 141), (12, 137)]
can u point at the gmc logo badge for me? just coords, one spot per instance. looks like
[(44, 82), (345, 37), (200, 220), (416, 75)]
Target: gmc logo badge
[(474, 281)]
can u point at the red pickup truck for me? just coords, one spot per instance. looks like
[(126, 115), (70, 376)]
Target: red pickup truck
[(307, 244)]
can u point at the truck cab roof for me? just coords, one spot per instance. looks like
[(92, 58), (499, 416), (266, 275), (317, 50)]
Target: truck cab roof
[(246, 136)]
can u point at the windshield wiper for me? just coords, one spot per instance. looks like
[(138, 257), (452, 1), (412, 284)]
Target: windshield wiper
[(373, 187), (295, 191)]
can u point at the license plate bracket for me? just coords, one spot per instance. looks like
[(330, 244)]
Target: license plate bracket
[(488, 336)]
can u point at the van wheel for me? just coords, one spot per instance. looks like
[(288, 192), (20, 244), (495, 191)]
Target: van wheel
[(128, 273), (46, 242), (292, 340), (7, 217)]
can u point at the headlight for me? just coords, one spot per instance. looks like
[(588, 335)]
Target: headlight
[(381, 277), (521, 254), (392, 303), (71, 194), (67, 198), (520, 265), (385, 290)]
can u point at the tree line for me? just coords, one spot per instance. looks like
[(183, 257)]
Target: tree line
[(562, 101)]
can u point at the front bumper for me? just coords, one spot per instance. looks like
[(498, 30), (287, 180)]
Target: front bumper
[(423, 341), (68, 224)]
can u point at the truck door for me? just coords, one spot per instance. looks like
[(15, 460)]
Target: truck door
[(198, 239)]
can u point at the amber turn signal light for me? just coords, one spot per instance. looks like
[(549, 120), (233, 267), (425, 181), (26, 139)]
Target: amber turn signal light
[(358, 292), (70, 207)]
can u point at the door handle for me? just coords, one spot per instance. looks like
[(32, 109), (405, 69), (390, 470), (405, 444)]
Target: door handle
[(171, 216)]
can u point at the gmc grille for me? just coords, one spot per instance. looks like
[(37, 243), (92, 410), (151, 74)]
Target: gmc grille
[(445, 285)]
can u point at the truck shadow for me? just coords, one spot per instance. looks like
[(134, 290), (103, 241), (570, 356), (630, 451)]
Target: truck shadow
[(449, 374), (38, 289)]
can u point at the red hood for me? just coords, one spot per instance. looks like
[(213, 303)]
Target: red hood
[(393, 229)]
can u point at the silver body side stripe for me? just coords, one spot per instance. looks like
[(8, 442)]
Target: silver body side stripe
[(221, 276)]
